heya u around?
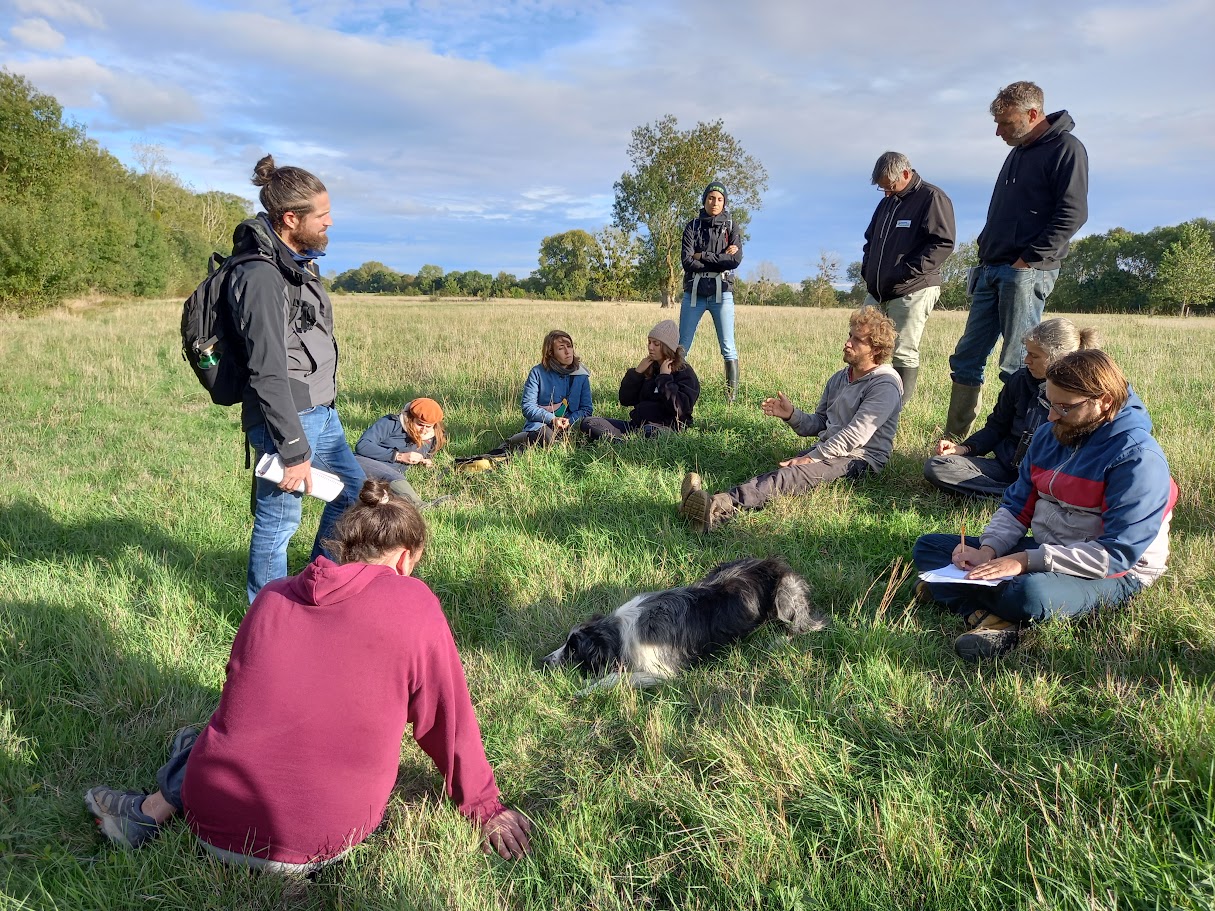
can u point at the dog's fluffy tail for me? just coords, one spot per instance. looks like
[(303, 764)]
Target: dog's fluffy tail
[(792, 601)]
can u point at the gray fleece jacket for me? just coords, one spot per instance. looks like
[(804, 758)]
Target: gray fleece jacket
[(855, 418)]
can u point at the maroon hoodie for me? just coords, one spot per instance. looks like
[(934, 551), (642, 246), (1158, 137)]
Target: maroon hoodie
[(327, 668)]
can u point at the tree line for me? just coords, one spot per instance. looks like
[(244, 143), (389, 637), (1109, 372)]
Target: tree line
[(75, 220)]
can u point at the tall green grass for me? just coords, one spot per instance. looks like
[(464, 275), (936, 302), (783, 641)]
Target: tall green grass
[(861, 767)]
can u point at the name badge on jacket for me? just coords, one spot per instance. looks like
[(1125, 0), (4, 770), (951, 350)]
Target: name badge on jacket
[(903, 223)]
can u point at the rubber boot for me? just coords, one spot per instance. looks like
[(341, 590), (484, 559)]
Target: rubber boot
[(964, 403), (731, 381), (908, 376)]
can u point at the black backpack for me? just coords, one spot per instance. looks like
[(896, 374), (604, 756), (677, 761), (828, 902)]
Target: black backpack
[(209, 340)]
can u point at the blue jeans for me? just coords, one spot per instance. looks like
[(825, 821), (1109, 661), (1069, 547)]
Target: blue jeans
[(276, 514), (1006, 302), (690, 313), (1028, 598)]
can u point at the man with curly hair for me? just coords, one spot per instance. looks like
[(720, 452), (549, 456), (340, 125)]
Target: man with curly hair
[(855, 423)]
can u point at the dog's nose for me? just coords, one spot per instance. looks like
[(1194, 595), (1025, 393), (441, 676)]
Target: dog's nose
[(551, 660)]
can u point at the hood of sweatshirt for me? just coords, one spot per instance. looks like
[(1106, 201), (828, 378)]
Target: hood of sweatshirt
[(324, 582)]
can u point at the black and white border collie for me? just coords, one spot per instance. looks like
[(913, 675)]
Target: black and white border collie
[(657, 635)]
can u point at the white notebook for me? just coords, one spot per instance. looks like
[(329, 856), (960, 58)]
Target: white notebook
[(325, 485)]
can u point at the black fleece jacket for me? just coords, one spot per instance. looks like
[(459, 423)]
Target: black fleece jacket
[(710, 236), (292, 363), (908, 239), (1040, 200), (660, 398)]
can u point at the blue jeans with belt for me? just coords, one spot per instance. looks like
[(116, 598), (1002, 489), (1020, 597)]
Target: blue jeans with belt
[(1005, 302), (691, 311), (276, 513)]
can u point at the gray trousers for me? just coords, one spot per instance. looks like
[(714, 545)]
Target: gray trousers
[(795, 479), (909, 314), (970, 475)]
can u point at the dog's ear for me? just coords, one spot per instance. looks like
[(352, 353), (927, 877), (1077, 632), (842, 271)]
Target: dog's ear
[(792, 600)]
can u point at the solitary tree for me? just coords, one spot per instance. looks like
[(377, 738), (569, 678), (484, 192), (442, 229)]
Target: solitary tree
[(1187, 270), (661, 191), (819, 291)]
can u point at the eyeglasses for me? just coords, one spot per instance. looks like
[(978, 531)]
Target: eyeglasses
[(1064, 410)]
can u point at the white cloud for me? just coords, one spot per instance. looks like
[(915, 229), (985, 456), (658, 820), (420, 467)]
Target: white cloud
[(134, 101), (37, 34), (61, 10)]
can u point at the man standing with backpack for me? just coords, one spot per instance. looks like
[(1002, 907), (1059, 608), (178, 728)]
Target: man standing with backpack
[(284, 318)]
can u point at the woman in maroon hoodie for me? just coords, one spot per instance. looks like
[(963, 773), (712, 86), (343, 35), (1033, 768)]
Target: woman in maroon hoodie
[(328, 667)]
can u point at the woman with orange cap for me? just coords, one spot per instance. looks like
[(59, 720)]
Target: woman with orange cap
[(396, 441)]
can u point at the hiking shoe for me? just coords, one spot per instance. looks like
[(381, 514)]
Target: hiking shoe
[(472, 466), (705, 511), (119, 817), (991, 637), (691, 482)]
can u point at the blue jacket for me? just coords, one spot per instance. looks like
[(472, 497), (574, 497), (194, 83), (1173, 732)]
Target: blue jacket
[(386, 437), (1097, 510), (546, 388)]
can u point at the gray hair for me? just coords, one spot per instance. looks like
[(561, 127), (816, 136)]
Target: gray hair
[(889, 166), (286, 189), (1059, 336), (1017, 96)]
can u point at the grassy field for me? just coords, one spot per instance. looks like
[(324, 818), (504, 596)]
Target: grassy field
[(862, 767)]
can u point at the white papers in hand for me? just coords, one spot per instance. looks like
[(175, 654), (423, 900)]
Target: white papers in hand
[(950, 573), (325, 485)]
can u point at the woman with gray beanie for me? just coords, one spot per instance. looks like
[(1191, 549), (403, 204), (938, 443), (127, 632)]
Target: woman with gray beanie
[(712, 250), (661, 390)]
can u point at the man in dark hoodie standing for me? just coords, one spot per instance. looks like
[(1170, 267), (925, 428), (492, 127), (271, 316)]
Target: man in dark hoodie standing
[(285, 320), (1040, 201), (908, 239)]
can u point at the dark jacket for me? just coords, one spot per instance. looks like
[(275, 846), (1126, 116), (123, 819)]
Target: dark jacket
[(386, 437), (1012, 423), (660, 398), (908, 239), (1040, 200), (292, 362), (710, 236)]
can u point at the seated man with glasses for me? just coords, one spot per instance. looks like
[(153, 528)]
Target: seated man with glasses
[(1094, 488)]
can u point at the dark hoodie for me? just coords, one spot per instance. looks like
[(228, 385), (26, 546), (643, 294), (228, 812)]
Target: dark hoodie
[(292, 363), (327, 669), (1040, 200)]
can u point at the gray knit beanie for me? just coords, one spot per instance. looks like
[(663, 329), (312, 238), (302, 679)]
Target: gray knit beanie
[(667, 333)]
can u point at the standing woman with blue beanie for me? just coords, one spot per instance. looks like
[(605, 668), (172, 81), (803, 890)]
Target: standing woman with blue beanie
[(712, 250)]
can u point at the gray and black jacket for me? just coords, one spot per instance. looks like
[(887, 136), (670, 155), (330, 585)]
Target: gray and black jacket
[(289, 347), (908, 239), (710, 235), (1040, 200)]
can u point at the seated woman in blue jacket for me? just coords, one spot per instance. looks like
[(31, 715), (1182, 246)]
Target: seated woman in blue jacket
[(1094, 488), (396, 441), (556, 394), (661, 390), (965, 467)]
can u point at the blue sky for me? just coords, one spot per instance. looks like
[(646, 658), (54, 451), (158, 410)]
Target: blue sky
[(462, 132)]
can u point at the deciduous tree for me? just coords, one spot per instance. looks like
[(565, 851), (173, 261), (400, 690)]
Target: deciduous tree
[(1187, 270), (661, 192)]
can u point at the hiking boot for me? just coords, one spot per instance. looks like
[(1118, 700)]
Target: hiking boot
[(705, 511), (119, 817), (991, 637), (183, 741), (691, 482)]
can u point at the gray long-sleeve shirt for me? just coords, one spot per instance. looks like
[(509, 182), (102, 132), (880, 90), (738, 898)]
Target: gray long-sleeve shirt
[(854, 418)]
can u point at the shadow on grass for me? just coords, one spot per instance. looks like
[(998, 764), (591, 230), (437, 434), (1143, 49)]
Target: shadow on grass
[(31, 534)]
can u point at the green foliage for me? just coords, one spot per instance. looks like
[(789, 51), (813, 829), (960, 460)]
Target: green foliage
[(76, 221), (1187, 269), (566, 260), (614, 265), (661, 192)]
